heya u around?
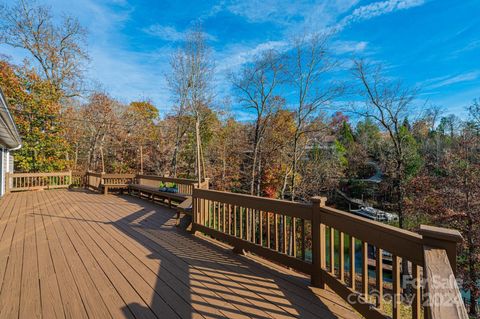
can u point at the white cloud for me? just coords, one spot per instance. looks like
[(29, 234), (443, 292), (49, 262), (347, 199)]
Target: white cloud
[(166, 33), (443, 81), (341, 47), (289, 12), (377, 9), (169, 33), (299, 17), (236, 55)]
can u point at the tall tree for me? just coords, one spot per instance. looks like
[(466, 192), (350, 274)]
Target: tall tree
[(388, 103), (101, 119), (56, 48), (309, 65), (190, 83), (37, 114), (139, 119), (255, 87)]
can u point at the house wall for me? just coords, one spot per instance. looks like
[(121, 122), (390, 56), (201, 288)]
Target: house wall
[(6, 166), (3, 168)]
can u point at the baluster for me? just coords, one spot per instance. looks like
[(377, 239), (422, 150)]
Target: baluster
[(218, 215), (268, 230), (230, 219), (275, 217), (253, 222), (293, 235), (195, 211), (201, 214), (379, 275), (396, 287), (352, 262), (214, 214), (260, 226), (302, 223), (247, 224), (224, 218), (332, 250), (284, 234), (417, 293), (205, 217), (341, 255), (241, 221), (235, 220), (365, 269)]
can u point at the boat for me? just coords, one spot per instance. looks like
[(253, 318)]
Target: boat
[(374, 214)]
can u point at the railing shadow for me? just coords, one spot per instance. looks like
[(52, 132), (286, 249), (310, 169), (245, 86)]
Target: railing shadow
[(211, 280)]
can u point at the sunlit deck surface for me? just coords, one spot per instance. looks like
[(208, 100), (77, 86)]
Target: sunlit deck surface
[(78, 254)]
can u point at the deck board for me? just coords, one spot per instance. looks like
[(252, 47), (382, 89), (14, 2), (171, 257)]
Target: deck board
[(78, 254)]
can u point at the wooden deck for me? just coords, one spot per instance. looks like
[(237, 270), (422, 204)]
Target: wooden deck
[(78, 254)]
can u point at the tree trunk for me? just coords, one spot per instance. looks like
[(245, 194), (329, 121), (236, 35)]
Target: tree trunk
[(259, 175), (175, 152), (254, 167), (141, 159), (198, 146), (284, 185)]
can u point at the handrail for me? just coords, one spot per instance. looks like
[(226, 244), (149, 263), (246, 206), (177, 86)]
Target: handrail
[(444, 298), (443, 295), (286, 232)]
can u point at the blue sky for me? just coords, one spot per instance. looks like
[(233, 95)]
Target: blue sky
[(434, 44)]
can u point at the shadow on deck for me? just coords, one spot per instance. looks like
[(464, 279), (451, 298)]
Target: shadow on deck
[(118, 256)]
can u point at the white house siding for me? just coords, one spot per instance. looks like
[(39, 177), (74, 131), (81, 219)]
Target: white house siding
[(6, 166), (3, 169)]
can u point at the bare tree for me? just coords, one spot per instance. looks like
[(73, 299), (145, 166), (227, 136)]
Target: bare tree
[(58, 49), (388, 103), (474, 112), (255, 86), (178, 83), (308, 69), (190, 81)]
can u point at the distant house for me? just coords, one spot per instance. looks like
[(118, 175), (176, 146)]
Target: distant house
[(9, 140)]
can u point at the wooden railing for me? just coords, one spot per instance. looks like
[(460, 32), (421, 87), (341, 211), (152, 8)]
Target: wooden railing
[(33, 181), (79, 179), (330, 245), (255, 224), (92, 180)]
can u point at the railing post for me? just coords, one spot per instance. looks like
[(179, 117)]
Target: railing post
[(318, 243), (7, 183), (206, 183), (195, 211), (442, 238)]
